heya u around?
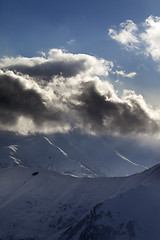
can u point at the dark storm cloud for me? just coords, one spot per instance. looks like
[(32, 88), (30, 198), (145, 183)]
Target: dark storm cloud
[(51, 68), (74, 96), (105, 115), (96, 112), (16, 101)]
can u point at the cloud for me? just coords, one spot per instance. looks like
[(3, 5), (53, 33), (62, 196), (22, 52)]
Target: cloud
[(36, 98), (49, 69), (71, 41), (56, 63), (151, 37), (126, 75), (127, 34), (16, 101), (107, 114), (144, 38)]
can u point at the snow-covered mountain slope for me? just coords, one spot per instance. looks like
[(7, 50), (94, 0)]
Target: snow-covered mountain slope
[(80, 155), (41, 204), (131, 215)]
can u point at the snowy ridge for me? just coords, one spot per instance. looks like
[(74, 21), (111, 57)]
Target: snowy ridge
[(78, 155), (42, 204)]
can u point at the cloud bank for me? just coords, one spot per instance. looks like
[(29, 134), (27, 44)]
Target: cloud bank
[(60, 91), (143, 38)]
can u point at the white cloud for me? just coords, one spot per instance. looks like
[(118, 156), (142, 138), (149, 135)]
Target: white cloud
[(143, 39), (124, 74), (71, 41), (151, 37), (92, 64), (127, 34)]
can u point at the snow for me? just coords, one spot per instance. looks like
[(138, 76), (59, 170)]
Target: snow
[(126, 159), (64, 153), (77, 155), (44, 206)]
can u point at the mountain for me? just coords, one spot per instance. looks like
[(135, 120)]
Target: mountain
[(38, 204), (80, 154)]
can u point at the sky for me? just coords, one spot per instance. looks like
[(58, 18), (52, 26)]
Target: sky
[(93, 65)]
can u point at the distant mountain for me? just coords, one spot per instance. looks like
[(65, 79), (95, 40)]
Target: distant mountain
[(80, 154), (41, 204)]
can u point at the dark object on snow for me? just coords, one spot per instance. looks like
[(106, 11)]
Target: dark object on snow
[(35, 173)]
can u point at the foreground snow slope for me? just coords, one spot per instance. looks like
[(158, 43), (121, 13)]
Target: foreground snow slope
[(41, 204)]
